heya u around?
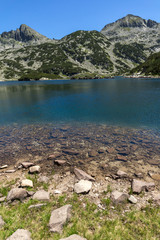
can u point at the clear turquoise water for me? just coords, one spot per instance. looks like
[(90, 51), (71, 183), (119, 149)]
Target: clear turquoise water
[(119, 101)]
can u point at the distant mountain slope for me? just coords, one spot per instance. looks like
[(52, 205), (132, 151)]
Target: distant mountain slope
[(118, 48)]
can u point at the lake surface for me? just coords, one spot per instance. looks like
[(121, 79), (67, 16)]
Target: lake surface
[(109, 123), (119, 101)]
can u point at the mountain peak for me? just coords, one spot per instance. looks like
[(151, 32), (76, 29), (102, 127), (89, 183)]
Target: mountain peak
[(23, 34), (130, 21)]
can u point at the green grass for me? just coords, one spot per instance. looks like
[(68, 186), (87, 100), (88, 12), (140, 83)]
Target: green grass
[(87, 220)]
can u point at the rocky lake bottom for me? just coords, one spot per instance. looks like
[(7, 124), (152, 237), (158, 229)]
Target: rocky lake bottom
[(97, 148)]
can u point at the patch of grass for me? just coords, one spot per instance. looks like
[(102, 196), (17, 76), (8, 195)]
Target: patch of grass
[(87, 220)]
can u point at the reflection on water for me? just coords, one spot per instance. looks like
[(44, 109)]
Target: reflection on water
[(125, 102)]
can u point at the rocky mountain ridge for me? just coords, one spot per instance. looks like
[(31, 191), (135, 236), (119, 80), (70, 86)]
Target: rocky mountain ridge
[(119, 47)]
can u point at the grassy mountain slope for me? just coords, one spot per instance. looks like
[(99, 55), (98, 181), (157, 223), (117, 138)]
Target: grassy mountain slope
[(150, 67)]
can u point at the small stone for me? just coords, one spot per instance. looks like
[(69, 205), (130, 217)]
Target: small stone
[(57, 191), (20, 234), (2, 199), (60, 162), (30, 193), (17, 194), (83, 186), (27, 164), (1, 222), (37, 205), (80, 174), (10, 171), (139, 175), (138, 186), (43, 179), (34, 169), (41, 195), (4, 166), (59, 217), (74, 237), (121, 174), (26, 183), (132, 199), (118, 197)]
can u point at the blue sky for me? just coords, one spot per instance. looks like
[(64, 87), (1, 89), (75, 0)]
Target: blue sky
[(57, 18)]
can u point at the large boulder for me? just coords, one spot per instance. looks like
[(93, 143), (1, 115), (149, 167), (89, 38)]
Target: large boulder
[(80, 174), (83, 186), (138, 186), (59, 217), (17, 194), (20, 234), (74, 237)]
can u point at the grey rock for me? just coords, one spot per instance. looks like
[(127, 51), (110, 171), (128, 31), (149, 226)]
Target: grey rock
[(26, 183), (17, 194), (132, 199), (41, 195), (80, 174), (27, 164), (1, 222), (74, 237), (20, 234), (34, 169), (37, 205), (138, 186), (59, 217), (118, 197), (83, 186), (60, 162)]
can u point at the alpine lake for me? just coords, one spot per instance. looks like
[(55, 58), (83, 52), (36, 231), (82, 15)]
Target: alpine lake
[(97, 125)]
